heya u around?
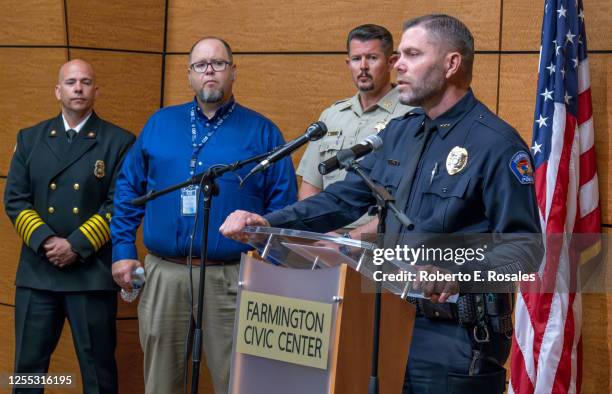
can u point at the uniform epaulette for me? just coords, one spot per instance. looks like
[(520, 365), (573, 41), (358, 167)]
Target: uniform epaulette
[(492, 121), (414, 112), (344, 103), (498, 125)]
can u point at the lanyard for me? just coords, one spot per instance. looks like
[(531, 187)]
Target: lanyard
[(197, 146)]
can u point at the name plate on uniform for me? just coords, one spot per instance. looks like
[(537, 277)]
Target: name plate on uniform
[(285, 329)]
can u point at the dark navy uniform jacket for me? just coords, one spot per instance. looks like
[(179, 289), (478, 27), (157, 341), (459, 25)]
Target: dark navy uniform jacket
[(62, 189), (492, 193)]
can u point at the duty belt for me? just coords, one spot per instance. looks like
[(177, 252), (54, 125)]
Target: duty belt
[(472, 310)]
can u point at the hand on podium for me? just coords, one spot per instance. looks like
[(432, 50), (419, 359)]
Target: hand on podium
[(237, 221)]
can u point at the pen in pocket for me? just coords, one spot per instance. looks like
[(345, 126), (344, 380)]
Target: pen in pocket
[(433, 173)]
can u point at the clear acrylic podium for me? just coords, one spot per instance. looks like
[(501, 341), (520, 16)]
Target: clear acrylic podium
[(305, 271)]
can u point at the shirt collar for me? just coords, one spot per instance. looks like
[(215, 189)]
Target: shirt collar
[(78, 127), (222, 110), (447, 121), (389, 100), (387, 103)]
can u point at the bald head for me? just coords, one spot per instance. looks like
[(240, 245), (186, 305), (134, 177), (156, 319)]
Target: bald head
[(76, 64), (76, 89)]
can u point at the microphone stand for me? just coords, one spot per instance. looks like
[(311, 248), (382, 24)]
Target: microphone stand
[(384, 202), (209, 189)]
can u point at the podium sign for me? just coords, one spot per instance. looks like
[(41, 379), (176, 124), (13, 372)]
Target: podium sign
[(284, 328), (295, 317)]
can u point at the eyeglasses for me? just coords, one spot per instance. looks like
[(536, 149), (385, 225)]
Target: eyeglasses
[(217, 65)]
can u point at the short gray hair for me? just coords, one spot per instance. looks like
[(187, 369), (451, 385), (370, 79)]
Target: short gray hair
[(230, 54), (452, 31)]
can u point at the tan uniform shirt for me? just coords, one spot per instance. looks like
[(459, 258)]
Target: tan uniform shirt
[(347, 124)]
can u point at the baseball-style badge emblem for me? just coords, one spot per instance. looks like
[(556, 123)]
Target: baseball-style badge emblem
[(456, 160), (99, 168), (520, 164)]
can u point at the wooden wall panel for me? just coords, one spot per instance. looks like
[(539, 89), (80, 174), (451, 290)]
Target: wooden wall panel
[(265, 26), (484, 80), (596, 328), (10, 246), (595, 320), (129, 85), (32, 22), (129, 357), (127, 309), (27, 81), (517, 102), (7, 344), (292, 91), (135, 25), (601, 77), (517, 91), (522, 24), (64, 361)]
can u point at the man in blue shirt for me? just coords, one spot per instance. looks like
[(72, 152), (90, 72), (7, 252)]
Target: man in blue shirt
[(176, 143), (456, 168)]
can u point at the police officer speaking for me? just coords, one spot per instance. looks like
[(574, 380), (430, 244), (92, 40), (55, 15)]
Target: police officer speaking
[(456, 168)]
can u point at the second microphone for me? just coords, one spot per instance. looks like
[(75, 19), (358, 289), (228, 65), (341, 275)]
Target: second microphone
[(314, 132), (366, 146)]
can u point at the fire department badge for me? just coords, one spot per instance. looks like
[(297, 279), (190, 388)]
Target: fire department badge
[(99, 168)]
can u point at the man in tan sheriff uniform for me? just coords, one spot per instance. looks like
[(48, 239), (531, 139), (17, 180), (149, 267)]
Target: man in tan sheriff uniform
[(349, 121)]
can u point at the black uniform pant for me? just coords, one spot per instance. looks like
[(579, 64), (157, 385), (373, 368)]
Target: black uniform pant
[(445, 358), (39, 319)]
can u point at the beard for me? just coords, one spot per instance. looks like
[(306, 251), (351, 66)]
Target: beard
[(423, 90), (367, 86), (210, 95)]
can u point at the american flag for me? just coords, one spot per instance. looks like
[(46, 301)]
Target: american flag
[(547, 344)]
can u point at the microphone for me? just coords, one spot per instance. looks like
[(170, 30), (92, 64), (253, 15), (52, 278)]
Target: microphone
[(314, 132), (371, 143)]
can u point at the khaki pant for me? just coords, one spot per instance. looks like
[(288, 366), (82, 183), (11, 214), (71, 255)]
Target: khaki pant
[(164, 316)]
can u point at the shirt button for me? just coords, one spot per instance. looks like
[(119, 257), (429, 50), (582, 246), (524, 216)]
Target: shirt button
[(437, 313), (444, 190), (75, 210), (51, 209), (76, 186), (52, 186), (199, 163)]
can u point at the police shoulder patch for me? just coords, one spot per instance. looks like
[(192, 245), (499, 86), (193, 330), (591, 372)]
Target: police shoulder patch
[(520, 165)]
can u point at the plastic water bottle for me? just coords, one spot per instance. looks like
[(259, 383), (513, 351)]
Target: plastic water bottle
[(138, 280)]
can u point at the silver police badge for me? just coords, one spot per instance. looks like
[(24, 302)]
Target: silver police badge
[(456, 160)]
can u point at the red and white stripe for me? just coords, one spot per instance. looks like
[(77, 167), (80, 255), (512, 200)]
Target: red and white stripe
[(547, 340)]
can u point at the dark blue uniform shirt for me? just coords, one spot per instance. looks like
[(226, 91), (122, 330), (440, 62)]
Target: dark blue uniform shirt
[(491, 193)]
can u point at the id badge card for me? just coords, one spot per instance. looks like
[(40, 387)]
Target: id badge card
[(188, 200)]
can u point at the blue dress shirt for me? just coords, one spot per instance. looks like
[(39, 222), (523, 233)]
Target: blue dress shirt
[(162, 156)]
